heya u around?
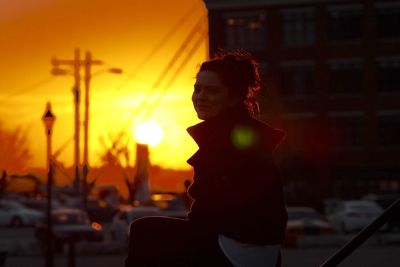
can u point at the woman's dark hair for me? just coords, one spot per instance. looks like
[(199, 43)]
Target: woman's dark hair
[(240, 73)]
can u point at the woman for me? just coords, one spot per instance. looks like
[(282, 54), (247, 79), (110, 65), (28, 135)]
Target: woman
[(238, 205)]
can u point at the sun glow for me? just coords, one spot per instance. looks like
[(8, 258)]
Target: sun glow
[(143, 48), (149, 132)]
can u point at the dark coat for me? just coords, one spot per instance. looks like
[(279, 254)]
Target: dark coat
[(237, 188)]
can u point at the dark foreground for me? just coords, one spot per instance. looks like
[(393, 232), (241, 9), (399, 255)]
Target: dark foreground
[(388, 256)]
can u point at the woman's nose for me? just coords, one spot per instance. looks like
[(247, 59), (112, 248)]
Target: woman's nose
[(201, 94)]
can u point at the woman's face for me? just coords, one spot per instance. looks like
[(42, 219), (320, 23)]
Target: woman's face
[(210, 95)]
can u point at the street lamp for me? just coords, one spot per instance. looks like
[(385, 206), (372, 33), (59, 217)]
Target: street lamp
[(48, 119)]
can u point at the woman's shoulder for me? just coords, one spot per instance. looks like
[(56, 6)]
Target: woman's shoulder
[(261, 134)]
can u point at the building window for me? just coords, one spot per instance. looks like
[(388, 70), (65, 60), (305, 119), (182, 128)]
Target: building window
[(389, 128), (245, 30), (388, 20), (297, 79), (344, 23), (347, 128), (388, 75), (298, 27), (346, 77)]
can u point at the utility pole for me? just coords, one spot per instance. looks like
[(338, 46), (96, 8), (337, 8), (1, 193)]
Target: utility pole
[(76, 91), (88, 63), (76, 63)]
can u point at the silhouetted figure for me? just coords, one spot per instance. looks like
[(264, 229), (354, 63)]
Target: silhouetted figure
[(185, 195), (238, 212)]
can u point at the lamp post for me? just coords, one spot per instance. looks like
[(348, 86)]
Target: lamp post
[(48, 119)]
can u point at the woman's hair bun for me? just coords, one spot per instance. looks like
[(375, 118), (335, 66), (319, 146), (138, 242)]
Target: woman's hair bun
[(238, 70), (229, 58), (243, 65)]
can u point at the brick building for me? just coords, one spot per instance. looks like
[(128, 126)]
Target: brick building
[(332, 77)]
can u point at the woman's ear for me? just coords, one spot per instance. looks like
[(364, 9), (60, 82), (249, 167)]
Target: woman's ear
[(234, 100)]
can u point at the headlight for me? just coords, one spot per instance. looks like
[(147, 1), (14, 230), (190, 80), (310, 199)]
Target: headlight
[(96, 226)]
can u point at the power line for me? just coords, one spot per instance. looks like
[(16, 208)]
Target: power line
[(155, 103), (165, 71), (63, 147), (26, 89), (63, 171), (198, 28), (140, 109), (158, 47)]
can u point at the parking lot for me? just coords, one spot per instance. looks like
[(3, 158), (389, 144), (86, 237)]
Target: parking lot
[(310, 257), (381, 250)]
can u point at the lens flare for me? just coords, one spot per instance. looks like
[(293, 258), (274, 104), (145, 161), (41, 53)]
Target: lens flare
[(243, 137)]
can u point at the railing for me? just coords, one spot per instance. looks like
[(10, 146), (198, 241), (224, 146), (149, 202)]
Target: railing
[(362, 236)]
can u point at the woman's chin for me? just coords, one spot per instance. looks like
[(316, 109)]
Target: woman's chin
[(203, 116)]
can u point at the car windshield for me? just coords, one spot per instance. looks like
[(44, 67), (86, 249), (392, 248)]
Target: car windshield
[(70, 218), (366, 208), (298, 215), (41, 205)]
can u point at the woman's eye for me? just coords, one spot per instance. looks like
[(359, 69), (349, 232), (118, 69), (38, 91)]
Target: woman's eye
[(213, 89), (207, 89)]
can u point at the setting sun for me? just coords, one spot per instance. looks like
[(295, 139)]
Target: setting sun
[(149, 132)]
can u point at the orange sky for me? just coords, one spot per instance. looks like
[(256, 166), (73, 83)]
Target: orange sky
[(121, 33)]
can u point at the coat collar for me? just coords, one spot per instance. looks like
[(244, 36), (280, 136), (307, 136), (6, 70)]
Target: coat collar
[(217, 131), (207, 132)]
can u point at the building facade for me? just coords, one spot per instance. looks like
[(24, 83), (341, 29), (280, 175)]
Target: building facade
[(332, 80)]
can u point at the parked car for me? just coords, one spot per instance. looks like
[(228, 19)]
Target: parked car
[(40, 204), (121, 222), (70, 225), (305, 221), (385, 200), (353, 215), (15, 214), (99, 212), (164, 205)]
